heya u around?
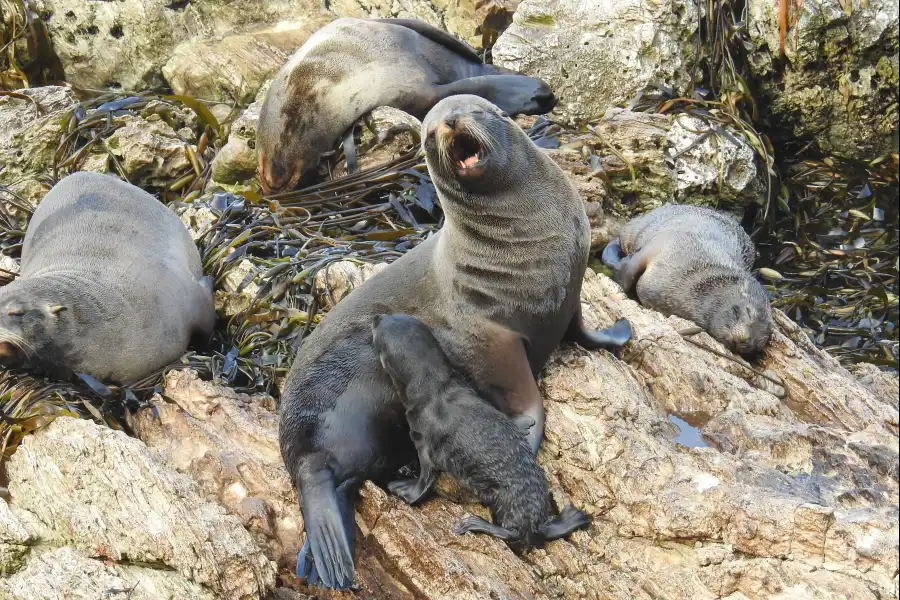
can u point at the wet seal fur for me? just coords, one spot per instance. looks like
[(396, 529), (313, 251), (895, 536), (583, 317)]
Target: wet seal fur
[(499, 286), (352, 66), (459, 433), (110, 284), (695, 262)]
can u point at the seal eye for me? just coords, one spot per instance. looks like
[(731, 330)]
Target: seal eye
[(15, 311), (465, 151)]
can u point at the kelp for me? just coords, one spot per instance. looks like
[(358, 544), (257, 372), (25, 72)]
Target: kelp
[(26, 56)]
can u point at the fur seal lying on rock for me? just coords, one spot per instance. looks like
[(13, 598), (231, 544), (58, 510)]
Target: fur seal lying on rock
[(352, 66), (499, 287), (458, 433), (110, 284), (695, 262)]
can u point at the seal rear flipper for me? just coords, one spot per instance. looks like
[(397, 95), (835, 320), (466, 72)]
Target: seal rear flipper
[(612, 254), (473, 524), (568, 521), (327, 536), (513, 94), (610, 338), (439, 36)]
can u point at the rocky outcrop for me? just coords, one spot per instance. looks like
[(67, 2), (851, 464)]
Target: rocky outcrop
[(703, 479), (124, 45), (599, 53), (109, 497), (836, 82), (233, 69)]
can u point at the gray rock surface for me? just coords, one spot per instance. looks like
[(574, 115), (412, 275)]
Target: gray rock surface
[(108, 496), (459, 18), (125, 44), (598, 53), (837, 83)]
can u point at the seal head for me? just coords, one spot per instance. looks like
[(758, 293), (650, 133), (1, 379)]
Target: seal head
[(29, 324), (743, 319)]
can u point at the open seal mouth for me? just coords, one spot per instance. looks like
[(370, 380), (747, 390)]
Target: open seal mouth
[(467, 154)]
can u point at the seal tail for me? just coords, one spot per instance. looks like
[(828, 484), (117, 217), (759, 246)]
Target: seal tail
[(568, 521), (612, 254), (328, 520)]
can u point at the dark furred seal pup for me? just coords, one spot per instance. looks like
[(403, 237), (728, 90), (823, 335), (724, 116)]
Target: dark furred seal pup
[(695, 262), (458, 433), (110, 284), (499, 286), (352, 66)]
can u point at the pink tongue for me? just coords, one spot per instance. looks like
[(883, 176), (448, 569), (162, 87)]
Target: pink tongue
[(472, 160)]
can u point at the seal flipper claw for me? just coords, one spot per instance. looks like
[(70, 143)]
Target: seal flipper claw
[(473, 524), (350, 152), (568, 521)]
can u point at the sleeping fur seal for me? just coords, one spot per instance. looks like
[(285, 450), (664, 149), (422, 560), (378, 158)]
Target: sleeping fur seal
[(352, 66), (499, 286), (458, 433), (110, 284), (695, 262)]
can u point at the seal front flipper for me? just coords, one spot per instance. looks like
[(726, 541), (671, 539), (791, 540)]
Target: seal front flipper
[(413, 491), (568, 521), (513, 94), (609, 339), (473, 524), (327, 538)]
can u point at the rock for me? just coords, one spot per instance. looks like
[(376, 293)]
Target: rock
[(837, 83), (788, 499), (233, 69), (599, 53), (237, 160), (459, 18), (669, 159), (63, 573), (24, 40), (29, 135), (110, 497), (337, 279), (14, 540), (238, 289), (124, 45)]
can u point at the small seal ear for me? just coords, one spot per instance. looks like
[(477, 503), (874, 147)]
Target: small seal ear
[(56, 308), (15, 310)]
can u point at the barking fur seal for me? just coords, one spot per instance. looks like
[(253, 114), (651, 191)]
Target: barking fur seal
[(499, 286), (352, 66), (110, 284), (695, 262)]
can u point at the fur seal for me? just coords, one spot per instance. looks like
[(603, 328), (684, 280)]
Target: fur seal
[(695, 262), (352, 66), (499, 285), (110, 284), (458, 433)]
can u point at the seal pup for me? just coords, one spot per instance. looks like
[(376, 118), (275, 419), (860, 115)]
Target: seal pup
[(694, 262), (499, 285), (110, 284), (352, 66), (458, 433)]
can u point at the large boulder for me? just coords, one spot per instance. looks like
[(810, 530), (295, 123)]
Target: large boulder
[(234, 68), (599, 53), (125, 44), (109, 497), (836, 84)]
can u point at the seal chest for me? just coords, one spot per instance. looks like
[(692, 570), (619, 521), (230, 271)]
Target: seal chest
[(110, 284), (695, 262)]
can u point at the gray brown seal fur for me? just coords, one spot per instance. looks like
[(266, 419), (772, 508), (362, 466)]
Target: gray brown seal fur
[(110, 284), (499, 286), (352, 66), (695, 262), (459, 433)]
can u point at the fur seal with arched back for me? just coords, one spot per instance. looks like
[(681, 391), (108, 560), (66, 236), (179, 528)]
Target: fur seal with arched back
[(499, 286), (458, 433), (695, 262), (110, 284), (352, 66)]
